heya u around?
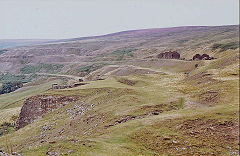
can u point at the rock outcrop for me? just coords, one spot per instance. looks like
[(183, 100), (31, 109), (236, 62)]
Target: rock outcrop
[(202, 57), (169, 55), (35, 107)]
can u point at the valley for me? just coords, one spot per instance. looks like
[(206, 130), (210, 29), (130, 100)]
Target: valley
[(145, 93)]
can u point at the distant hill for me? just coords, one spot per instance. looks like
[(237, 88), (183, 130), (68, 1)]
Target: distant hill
[(11, 43), (79, 54)]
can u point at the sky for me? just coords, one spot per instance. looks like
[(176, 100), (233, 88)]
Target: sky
[(60, 19)]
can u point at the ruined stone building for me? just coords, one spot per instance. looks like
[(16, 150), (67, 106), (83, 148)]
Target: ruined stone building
[(202, 57), (169, 55)]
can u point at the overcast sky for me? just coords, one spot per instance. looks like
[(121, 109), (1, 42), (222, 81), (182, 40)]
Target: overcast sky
[(55, 19)]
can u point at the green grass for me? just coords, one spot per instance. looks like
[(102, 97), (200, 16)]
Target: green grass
[(138, 95), (15, 99), (13, 78), (85, 69), (3, 51), (91, 68), (119, 55), (150, 135), (225, 46), (112, 99), (182, 41), (124, 51), (8, 78), (144, 136), (48, 68), (6, 128)]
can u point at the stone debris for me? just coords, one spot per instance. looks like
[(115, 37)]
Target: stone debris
[(2, 153), (45, 128), (185, 142), (235, 153), (70, 151), (52, 153), (174, 141), (79, 109)]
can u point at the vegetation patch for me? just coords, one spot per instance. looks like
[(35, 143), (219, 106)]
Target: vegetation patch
[(48, 68), (127, 81), (182, 41), (157, 109), (91, 68), (225, 130), (124, 52), (209, 97), (226, 46), (5, 78), (190, 137), (147, 111), (10, 87), (3, 51), (9, 78), (8, 127)]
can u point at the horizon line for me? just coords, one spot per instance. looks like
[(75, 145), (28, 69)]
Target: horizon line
[(121, 31)]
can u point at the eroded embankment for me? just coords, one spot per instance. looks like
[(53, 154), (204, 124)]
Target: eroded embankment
[(36, 106)]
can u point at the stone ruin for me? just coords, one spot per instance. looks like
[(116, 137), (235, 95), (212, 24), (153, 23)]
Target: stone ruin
[(169, 55), (202, 57), (78, 84), (57, 86)]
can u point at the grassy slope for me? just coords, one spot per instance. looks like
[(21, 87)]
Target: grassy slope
[(198, 111), (11, 103), (177, 130)]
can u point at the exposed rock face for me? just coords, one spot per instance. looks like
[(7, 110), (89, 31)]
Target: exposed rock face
[(35, 107), (202, 57), (169, 55)]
